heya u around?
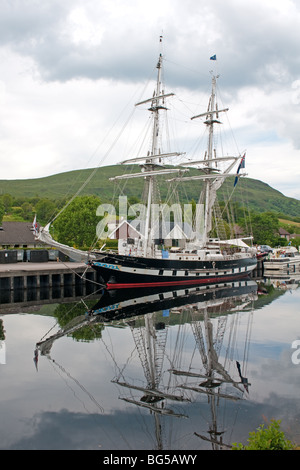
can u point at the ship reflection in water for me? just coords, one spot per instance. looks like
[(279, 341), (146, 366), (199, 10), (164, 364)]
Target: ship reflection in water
[(173, 377)]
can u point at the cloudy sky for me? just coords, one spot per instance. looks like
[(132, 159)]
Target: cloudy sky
[(72, 70)]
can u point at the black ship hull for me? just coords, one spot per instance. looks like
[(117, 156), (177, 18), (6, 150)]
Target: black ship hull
[(125, 304), (121, 272)]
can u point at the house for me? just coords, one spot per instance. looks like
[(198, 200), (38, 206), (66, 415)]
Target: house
[(284, 234), (123, 230), (17, 235), (126, 234), (173, 234), (295, 235), (130, 234), (238, 231)]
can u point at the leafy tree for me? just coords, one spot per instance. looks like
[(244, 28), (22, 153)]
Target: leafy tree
[(296, 241), (264, 227), (27, 211), (45, 209), (270, 438), (2, 212), (89, 333), (7, 201), (73, 315), (2, 330), (76, 225), (19, 201)]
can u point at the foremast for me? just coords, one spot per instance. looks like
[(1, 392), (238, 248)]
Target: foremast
[(156, 105), (152, 164)]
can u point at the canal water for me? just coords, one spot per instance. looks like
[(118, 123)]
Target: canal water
[(191, 369)]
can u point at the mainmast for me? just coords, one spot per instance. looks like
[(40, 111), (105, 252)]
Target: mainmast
[(212, 176), (216, 381), (209, 184)]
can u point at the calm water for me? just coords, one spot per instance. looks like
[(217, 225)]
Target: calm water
[(226, 352)]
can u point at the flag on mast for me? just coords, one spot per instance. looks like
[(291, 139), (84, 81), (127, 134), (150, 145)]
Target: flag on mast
[(34, 225), (241, 165), (213, 57)]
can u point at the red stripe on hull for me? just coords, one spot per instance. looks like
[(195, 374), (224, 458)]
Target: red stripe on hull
[(211, 280)]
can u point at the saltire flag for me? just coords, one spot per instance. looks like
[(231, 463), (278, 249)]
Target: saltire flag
[(213, 57), (241, 165), (34, 225)]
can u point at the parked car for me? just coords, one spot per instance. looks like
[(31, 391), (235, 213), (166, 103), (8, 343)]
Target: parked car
[(265, 249)]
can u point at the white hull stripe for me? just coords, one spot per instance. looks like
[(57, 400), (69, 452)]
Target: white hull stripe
[(169, 272), (168, 295)]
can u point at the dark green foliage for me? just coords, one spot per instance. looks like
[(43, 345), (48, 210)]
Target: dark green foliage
[(264, 228), (270, 438), (45, 210), (74, 314), (255, 206), (2, 331), (259, 196), (76, 225), (2, 212)]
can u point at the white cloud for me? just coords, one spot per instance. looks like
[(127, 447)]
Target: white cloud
[(82, 29)]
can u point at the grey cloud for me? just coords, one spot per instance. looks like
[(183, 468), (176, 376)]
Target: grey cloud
[(254, 48), (24, 23)]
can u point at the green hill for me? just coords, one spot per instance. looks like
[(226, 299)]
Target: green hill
[(256, 194)]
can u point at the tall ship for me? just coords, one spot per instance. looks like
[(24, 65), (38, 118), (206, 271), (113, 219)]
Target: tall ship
[(145, 259), (146, 256)]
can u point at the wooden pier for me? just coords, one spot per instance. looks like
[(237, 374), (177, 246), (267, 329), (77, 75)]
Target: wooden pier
[(287, 268), (258, 272)]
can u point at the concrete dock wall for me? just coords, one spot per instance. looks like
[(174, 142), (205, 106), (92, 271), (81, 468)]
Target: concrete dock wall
[(31, 282)]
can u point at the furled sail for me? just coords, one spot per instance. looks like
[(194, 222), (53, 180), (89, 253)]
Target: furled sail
[(44, 236)]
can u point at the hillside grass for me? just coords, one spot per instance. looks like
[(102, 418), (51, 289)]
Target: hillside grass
[(289, 222), (253, 194)]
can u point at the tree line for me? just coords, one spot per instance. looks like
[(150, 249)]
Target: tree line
[(76, 225)]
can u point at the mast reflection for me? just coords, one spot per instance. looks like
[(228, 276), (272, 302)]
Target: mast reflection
[(150, 315)]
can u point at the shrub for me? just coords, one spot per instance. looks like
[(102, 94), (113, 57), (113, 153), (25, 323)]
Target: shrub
[(270, 438)]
